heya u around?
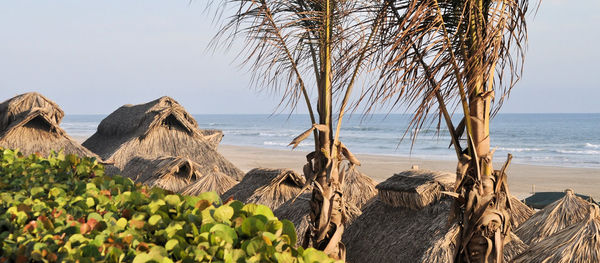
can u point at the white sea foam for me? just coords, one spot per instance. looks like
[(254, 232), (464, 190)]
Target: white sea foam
[(592, 146)]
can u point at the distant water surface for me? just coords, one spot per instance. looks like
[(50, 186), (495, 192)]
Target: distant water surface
[(570, 140)]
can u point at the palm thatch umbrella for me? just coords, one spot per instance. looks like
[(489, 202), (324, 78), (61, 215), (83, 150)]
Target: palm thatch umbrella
[(177, 174), (216, 181), (158, 128), (30, 122), (212, 136), (559, 215), (270, 187), (169, 173), (579, 242), (408, 222), (358, 188)]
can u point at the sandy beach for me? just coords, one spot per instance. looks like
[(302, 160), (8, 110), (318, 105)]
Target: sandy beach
[(521, 177)]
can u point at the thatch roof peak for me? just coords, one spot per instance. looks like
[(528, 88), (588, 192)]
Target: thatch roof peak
[(270, 187), (171, 173), (415, 189), (30, 122), (559, 215), (138, 119), (579, 242), (158, 128), (21, 106)]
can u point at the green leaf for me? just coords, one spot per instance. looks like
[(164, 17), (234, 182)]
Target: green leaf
[(253, 224), (223, 214), (155, 219), (212, 197), (171, 244), (289, 230), (172, 200)]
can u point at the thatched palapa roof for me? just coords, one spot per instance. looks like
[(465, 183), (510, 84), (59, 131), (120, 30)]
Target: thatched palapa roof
[(358, 188), (559, 215), (158, 128), (579, 242), (408, 222), (30, 122), (415, 189), (177, 174), (216, 181), (270, 187)]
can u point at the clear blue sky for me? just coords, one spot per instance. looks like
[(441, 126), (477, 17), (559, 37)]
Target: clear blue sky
[(94, 56)]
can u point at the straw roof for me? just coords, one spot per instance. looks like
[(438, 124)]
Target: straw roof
[(270, 187), (158, 128), (358, 188), (579, 242), (30, 122), (559, 215), (408, 221), (169, 173), (213, 182), (415, 189), (176, 174), (212, 136), (298, 212)]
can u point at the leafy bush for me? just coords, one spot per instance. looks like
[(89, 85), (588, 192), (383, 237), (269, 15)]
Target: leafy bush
[(63, 208)]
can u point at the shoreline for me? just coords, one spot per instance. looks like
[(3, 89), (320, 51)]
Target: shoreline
[(522, 178)]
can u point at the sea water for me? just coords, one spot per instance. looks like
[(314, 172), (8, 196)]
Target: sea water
[(570, 140)]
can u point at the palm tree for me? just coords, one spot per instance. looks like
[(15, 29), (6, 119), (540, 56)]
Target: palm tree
[(304, 47), (459, 54)]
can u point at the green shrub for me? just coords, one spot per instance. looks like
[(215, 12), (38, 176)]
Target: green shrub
[(63, 208)]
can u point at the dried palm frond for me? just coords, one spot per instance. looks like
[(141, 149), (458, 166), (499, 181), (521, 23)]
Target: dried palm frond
[(579, 242), (155, 129), (559, 215), (358, 188), (415, 189), (30, 123), (169, 173), (212, 182), (270, 187)]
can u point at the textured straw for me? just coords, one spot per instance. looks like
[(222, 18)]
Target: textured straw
[(30, 123), (159, 128)]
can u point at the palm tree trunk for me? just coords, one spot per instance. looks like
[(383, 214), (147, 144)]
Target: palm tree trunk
[(326, 205)]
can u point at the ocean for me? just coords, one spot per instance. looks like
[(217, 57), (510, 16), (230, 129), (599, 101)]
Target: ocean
[(568, 140)]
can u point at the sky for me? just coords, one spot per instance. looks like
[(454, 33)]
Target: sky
[(93, 56)]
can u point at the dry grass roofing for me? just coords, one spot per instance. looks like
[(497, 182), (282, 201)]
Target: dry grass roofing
[(30, 122), (270, 187), (579, 242), (559, 215), (158, 128), (408, 222), (177, 174)]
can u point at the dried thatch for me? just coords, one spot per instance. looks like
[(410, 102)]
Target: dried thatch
[(579, 242), (158, 128), (30, 122), (176, 174), (212, 182), (270, 187), (358, 188), (408, 222), (559, 215), (415, 189), (298, 212), (169, 173), (212, 136), (520, 212)]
